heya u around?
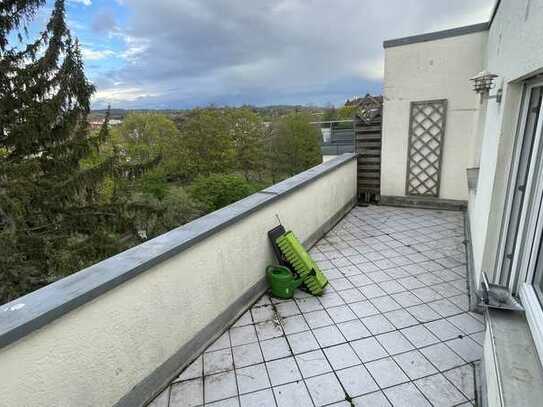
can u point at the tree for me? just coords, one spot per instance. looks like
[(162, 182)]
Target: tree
[(346, 112), (53, 218), (218, 190), (207, 140), (294, 144), (247, 131)]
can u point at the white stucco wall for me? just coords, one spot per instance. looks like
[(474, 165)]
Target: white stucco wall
[(95, 354), (438, 69), (514, 52)]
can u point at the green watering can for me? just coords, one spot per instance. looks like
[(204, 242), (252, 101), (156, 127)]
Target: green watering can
[(282, 281)]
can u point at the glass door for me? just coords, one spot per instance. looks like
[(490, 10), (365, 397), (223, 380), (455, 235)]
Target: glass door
[(530, 119)]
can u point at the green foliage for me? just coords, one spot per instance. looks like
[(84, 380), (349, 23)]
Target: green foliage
[(294, 145), (219, 190), (247, 131), (346, 112), (54, 217), (176, 208), (207, 140)]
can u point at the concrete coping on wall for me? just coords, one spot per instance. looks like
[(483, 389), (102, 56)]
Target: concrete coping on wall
[(22, 316), (436, 35)]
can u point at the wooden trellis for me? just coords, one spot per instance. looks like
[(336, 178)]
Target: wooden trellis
[(425, 149)]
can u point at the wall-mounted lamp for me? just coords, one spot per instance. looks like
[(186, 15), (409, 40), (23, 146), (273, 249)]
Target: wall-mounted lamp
[(483, 82)]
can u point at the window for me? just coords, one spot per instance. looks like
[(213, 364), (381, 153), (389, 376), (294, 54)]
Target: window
[(521, 243), (520, 262)]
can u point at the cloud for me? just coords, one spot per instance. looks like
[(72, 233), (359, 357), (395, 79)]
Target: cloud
[(188, 52), (95, 55), (84, 2), (104, 21)]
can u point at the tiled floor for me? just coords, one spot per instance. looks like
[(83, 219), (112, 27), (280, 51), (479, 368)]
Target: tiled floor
[(391, 329)]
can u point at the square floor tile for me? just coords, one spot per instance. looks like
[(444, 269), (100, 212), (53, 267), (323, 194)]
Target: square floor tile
[(368, 267), (220, 386), (394, 342), (400, 318), (262, 313), (423, 313), (339, 284), (292, 395), (391, 287), (419, 336), (252, 378), (222, 342), (442, 357), (353, 330), (386, 372), (462, 378), (415, 365), (192, 371), (188, 393), (467, 323), (262, 398), (275, 348), (268, 330), (357, 381), (294, 324), (372, 291), (325, 389), (351, 295), (331, 299), (385, 303), (411, 282), (363, 309), (245, 319), (162, 400), (467, 348), (231, 402), (444, 307), (360, 280), (283, 371), (308, 304), (317, 319), (328, 336), (287, 309), (439, 391), (302, 342), (243, 335), (443, 329), (341, 314), (406, 299), (376, 399), (218, 361), (341, 356), (379, 276), (406, 395), (368, 349), (246, 355), (377, 324), (313, 363)]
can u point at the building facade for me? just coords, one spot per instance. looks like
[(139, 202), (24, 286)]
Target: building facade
[(483, 149)]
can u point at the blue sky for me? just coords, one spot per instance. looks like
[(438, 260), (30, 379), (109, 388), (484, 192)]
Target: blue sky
[(185, 53)]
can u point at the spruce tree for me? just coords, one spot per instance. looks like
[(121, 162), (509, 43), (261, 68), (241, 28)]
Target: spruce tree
[(53, 220)]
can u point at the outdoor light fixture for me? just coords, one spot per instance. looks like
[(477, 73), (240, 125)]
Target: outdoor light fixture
[(483, 82)]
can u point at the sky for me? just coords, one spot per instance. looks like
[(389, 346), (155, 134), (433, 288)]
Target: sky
[(168, 54)]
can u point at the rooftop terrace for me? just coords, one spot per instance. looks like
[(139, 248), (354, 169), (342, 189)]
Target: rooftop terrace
[(392, 328), (184, 319)]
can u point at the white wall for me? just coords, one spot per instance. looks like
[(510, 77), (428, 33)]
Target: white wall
[(514, 52), (95, 354), (438, 69)]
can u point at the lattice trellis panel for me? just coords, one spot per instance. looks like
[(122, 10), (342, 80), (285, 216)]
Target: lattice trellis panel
[(426, 133)]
